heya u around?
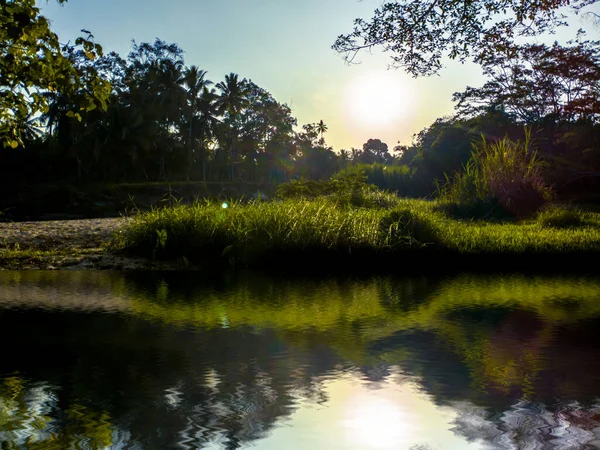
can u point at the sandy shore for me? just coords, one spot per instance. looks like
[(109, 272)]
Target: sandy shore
[(65, 244), (56, 234)]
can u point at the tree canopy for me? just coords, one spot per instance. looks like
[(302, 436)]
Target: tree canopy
[(34, 64), (536, 82), (420, 33)]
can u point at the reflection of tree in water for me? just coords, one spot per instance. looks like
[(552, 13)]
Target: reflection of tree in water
[(159, 384), (528, 425), (175, 372)]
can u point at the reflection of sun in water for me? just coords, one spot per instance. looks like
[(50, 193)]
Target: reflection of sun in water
[(375, 422), (379, 99)]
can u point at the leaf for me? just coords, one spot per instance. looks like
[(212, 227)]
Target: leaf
[(74, 115)]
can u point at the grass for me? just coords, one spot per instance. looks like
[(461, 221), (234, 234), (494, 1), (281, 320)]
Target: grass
[(566, 217), (506, 174), (301, 232)]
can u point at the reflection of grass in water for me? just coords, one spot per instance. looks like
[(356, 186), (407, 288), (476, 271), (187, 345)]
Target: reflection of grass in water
[(107, 281), (500, 360), (350, 316), (348, 323), (326, 307)]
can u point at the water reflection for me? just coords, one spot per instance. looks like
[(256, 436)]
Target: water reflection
[(105, 360)]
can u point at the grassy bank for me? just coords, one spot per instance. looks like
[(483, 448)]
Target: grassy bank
[(318, 232)]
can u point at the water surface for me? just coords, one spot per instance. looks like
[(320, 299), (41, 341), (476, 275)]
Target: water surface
[(150, 361)]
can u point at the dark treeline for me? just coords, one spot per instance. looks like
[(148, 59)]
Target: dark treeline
[(150, 117), (165, 121)]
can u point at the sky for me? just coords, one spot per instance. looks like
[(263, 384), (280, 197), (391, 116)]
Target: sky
[(283, 46)]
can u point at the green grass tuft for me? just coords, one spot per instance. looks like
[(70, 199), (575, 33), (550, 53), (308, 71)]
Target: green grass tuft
[(563, 217), (286, 232), (503, 173)]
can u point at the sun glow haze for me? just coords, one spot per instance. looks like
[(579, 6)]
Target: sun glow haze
[(377, 423), (379, 100)]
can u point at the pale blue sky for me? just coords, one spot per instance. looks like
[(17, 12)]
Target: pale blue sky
[(284, 46)]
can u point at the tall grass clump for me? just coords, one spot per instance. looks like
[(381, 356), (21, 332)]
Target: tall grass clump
[(560, 217), (504, 174), (346, 188), (251, 232), (395, 178), (297, 232)]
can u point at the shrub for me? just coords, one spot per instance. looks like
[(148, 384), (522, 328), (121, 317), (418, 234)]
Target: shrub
[(397, 178), (347, 188), (560, 217), (506, 171), (489, 210), (407, 228)]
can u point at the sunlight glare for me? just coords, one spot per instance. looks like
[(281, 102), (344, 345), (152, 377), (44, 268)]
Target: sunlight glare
[(379, 99), (377, 423)]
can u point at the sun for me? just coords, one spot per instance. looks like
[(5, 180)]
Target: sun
[(377, 423), (378, 100)]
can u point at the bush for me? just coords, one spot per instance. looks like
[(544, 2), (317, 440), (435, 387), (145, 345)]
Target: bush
[(560, 217), (347, 188), (506, 171), (489, 210), (407, 228), (400, 179)]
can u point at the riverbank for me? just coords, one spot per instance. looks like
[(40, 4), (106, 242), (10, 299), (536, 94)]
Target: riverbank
[(388, 234), (66, 244), (301, 235)]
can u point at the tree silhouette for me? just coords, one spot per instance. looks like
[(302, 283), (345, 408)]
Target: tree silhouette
[(533, 83), (196, 83), (231, 101), (377, 148), (321, 129), (420, 33)]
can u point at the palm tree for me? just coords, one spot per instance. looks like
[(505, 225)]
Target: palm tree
[(125, 140), (30, 128), (230, 102), (321, 129), (167, 80), (209, 112), (196, 83)]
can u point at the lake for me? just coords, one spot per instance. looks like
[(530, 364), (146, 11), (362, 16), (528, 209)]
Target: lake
[(110, 360)]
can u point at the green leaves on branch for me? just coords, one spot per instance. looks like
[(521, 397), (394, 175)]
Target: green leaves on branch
[(34, 63), (534, 83), (420, 33)]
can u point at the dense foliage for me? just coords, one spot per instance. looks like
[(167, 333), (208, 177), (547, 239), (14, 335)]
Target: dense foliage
[(35, 67), (420, 33), (73, 114)]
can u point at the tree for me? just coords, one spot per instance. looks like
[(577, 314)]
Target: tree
[(377, 148), (33, 64), (321, 128), (155, 81), (196, 83), (266, 134), (231, 101), (314, 160), (419, 33), (536, 83)]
